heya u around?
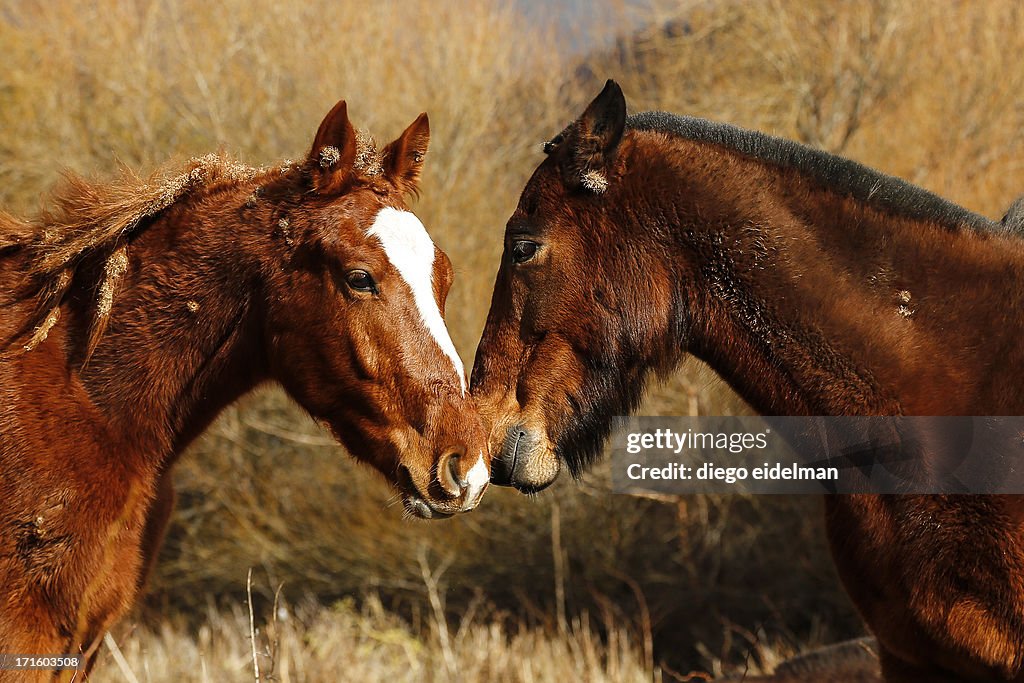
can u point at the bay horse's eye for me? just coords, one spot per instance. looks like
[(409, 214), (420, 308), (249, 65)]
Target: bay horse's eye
[(361, 281), (523, 251)]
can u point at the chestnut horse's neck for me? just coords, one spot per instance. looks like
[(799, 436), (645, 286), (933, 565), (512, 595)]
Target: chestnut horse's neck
[(183, 339), (810, 300)]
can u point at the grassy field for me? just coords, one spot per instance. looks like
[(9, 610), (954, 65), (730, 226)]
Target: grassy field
[(342, 642), (525, 589)]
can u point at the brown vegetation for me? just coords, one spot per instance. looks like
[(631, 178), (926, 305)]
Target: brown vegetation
[(929, 92)]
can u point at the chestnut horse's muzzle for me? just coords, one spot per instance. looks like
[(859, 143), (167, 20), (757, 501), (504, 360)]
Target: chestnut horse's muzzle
[(457, 485)]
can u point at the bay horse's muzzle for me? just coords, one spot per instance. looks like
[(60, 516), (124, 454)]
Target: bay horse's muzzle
[(520, 461)]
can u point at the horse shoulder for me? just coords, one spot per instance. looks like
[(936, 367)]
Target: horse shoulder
[(71, 521)]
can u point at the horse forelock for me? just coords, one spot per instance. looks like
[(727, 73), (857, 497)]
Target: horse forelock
[(369, 161)]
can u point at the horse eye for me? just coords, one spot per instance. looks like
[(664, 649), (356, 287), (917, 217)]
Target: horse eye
[(523, 251), (361, 281)]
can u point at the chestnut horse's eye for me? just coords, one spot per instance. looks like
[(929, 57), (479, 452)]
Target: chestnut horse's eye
[(523, 251), (361, 281)]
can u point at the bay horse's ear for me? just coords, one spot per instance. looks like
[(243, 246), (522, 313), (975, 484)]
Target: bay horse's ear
[(596, 137), (403, 158), (333, 155)]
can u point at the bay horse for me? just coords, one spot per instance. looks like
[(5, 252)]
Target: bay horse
[(135, 311), (813, 286)]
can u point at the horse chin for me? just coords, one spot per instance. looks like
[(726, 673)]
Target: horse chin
[(530, 489), (418, 507)]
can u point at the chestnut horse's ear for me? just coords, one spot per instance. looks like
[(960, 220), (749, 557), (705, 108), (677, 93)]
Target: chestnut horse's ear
[(403, 158), (596, 137), (333, 155)]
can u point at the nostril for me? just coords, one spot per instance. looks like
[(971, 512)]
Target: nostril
[(448, 474), (503, 466), (453, 469)]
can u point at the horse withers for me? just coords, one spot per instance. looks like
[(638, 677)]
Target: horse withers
[(134, 311), (814, 286)]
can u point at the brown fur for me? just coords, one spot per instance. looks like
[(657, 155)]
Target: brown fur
[(176, 294), (810, 295)]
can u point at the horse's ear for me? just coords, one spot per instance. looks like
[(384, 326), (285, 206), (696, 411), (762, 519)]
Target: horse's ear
[(333, 155), (596, 138), (403, 158)]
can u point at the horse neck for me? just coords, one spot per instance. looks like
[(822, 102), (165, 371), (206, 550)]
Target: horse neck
[(814, 303), (183, 339)]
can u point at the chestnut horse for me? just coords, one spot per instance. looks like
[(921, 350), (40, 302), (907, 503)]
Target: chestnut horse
[(813, 286), (137, 310)]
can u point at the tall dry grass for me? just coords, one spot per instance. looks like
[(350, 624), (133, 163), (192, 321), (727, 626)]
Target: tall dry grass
[(931, 92), (345, 642), (92, 82)]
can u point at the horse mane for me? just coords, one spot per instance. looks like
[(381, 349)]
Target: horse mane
[(1013, 221), (97, 219), (845, 176), (14, 232)]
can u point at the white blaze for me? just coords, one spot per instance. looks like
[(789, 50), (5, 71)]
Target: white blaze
[(411, 252), (477, 478)]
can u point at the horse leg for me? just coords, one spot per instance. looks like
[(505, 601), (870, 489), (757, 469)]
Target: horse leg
[(157, 517), (938, 581), (31, 629)]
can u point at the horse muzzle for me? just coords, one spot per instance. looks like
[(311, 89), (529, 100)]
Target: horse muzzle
[(457, 486), (524, 460)]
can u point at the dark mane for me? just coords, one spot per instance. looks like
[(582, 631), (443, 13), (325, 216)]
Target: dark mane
[(1013, 221), (848, 177)]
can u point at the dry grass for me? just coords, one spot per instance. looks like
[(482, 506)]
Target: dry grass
[(931, 92), (363, 641), (346, 642), (927, 91), (185, 77)]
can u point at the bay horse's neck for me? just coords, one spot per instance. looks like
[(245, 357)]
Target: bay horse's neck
[(183, 338), (810, 302)]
